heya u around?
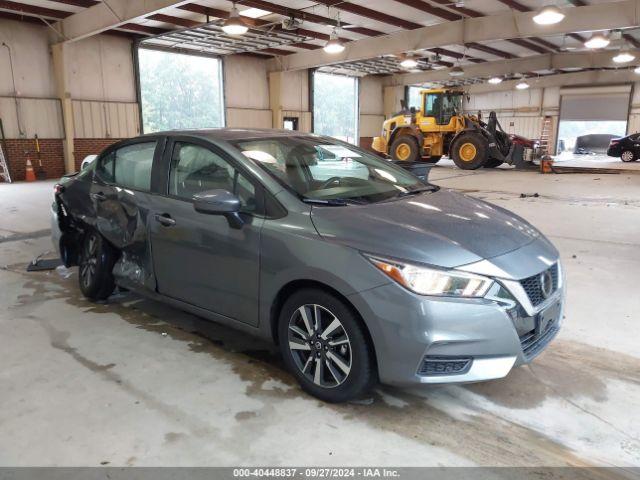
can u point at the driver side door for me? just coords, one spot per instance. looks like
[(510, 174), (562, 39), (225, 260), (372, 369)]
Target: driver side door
[(200, 258)]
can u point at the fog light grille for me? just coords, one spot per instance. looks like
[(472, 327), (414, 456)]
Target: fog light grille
[(444, 365)]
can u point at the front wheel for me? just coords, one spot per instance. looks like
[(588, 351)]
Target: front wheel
[(405, 148), (96, 262), (324, 345), (628, 156), (470, 151)]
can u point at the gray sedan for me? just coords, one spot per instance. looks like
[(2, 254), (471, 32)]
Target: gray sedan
[(357, 269)]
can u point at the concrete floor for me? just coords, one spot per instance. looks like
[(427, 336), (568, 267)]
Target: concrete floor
[(133, 382)]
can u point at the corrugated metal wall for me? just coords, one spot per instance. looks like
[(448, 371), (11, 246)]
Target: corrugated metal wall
[(105, 119), (38, 116), (248, 118)]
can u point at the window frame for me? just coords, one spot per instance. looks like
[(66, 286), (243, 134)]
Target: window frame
[(155, 164), (260, 191)]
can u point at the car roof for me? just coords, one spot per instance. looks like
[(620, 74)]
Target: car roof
[(231, 134)]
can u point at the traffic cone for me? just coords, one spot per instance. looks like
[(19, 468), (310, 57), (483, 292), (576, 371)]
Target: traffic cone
[(30, 175)]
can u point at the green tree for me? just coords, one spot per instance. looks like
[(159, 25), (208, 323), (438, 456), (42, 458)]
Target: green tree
[(335, 106), (179, 91)]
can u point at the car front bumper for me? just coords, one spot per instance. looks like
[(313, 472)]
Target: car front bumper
[(435, 340)]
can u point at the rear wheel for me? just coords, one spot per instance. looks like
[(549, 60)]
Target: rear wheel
[(628, 156), (470, 151), (96, 262), (405, 148), (325, 346)]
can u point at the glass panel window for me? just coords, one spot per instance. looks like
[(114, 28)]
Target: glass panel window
[(414, 99), (133, 166), (180, 91), (335, 106), (196, 169)]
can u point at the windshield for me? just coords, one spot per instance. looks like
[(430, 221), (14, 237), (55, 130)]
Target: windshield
[(323, 169)]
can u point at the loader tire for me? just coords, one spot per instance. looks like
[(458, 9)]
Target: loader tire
[(470, 151), (405, 148)]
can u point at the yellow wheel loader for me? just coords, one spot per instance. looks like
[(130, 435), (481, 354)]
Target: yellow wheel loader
[(440, 128)]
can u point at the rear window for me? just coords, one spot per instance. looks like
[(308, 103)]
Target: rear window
[(129, 167)]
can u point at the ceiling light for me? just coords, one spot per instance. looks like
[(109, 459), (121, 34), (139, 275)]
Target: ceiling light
[(597, 40), (334, 45), (254, 13), (234, 25), (456, 71), (523, 85), (495, 80), (637, 70), (549, 15), (624, 57), (407, 61)]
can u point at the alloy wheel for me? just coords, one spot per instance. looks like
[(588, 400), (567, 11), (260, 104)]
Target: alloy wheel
[(319, 345), (90, 261), (626, 156)]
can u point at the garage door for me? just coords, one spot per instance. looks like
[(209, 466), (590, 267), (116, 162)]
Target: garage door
[(590, 104)]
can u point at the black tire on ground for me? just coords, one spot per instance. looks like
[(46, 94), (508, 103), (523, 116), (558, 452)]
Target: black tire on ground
[(405, 148), (432, 158), (94, 269), (344, 357), (470, 151), (493, 163), (628, 156)]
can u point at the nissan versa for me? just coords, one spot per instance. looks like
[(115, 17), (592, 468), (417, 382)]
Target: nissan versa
[(359, 271)]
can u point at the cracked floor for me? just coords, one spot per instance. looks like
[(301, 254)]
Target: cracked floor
[(134, 382)]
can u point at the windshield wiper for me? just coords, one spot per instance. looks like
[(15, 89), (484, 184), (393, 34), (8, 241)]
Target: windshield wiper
[(415, 191), (335, 202)]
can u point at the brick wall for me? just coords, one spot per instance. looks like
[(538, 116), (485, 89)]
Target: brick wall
[(90, 146), (50, 160)]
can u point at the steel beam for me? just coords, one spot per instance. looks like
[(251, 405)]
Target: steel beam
[(109, 14), (548, 61), (606, 16)]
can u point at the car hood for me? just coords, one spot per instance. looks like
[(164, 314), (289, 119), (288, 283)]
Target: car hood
[(441, 228)]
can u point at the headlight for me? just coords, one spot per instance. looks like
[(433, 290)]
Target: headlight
[(429, 281)]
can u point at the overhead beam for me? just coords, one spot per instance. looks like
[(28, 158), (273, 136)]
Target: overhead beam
[(548, 61), (621, 14), (575, 79), (107, 15)]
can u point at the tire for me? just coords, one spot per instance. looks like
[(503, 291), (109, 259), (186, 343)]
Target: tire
[(493, 163), (432, 159), (628, 156), (94, 269), (469, 151), (405, 148), (347, 369)]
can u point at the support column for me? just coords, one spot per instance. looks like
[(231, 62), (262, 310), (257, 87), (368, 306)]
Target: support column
[(275, 98), (58, 51)]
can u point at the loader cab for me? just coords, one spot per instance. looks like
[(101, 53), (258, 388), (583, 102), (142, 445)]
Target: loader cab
[(442, 105)]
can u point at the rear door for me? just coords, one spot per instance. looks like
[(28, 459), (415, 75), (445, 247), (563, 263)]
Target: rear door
[(199, 258), (121, 196)]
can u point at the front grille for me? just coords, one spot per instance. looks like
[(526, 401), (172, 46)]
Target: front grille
[(533, 286), (444, 365), (533, 344)]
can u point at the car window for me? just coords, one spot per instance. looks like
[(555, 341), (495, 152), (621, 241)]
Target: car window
[(129, 167), (196, 169)]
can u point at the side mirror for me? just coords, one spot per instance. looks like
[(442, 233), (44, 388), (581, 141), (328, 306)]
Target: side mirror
[(219, 202)]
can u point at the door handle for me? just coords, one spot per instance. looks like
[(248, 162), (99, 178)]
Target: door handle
[(99, 196), (165, 219)]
